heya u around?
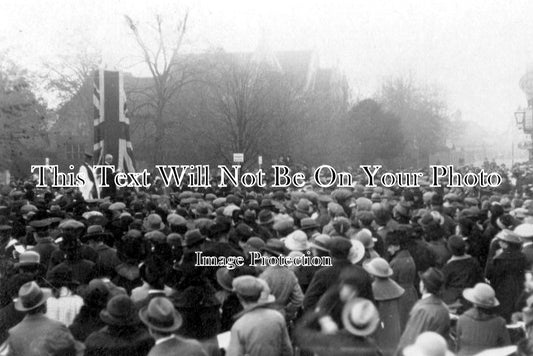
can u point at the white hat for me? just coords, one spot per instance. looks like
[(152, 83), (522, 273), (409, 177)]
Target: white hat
[(357, 252), (525, 231), (297, 241), (428, 344)]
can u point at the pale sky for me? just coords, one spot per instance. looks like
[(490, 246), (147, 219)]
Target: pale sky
[(474, 51)]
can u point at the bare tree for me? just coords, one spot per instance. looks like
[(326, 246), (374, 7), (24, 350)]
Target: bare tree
[(170, 71)]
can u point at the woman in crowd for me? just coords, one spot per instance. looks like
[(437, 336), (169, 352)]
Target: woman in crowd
[(480, 327)]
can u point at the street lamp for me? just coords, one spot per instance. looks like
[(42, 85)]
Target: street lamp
[(520, 116)]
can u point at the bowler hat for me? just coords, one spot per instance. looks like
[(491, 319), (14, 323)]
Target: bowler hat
[(31, 296), (360, 317), (160, 315), (482, 295), (119, 311)]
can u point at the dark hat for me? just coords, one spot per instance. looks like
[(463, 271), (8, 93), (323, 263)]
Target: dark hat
[(265, 217), (61, 275), (255, 243), (39, 224), (94, 232), (226, 276), (160, 315), (339, 247), (432, 278), (275, 247), (386, 289), (456, 245), (31, 296), (436, 199), (266, 203), (96, 293), (119, 311), (308, 224), (193, 237)]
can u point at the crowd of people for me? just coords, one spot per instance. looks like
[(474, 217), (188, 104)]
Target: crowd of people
[(417, 271)]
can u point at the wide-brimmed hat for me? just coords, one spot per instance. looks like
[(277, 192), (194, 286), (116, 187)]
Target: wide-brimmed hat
[(524, 231), (378, 267), (509, 236), (357, 252), (31, 296), (320, 242), (482, 295), (120, 311), (153, 222), (160, 315), (428, 344), (28, 258), (360, 317), (297, 241), (275, 247), (386, 289)]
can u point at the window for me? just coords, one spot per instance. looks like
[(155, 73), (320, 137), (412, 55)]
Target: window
[(74, 151)]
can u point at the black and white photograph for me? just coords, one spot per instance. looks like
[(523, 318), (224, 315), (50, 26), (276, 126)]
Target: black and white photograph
[(266, 178)]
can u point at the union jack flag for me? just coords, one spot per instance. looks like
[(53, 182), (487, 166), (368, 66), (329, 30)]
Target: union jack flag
[(111, 122)]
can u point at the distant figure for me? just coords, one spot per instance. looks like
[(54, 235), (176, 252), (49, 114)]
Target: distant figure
[(90, 189), (111, 189)]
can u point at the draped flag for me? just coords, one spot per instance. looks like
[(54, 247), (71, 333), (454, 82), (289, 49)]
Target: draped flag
[(111, 123)]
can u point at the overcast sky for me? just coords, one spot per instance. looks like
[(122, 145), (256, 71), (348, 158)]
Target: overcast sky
[(474, 51)]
